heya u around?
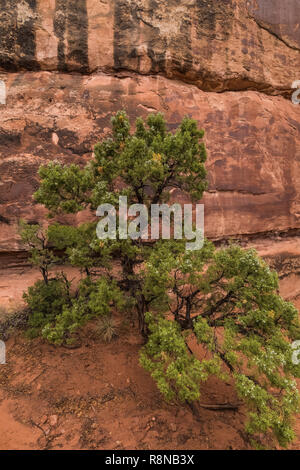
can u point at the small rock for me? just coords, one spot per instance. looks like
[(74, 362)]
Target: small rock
[(173, 427), (55, 138), (53, 420)]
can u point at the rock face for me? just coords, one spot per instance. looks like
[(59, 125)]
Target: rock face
[(218, 46), (69, 64)]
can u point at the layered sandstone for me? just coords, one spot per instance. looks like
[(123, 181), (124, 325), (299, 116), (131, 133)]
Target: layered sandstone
[(253, 142), (216, 45), (68, 65)]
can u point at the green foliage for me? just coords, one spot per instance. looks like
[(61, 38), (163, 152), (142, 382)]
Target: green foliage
[(227, 301), (57, 315), (156, 160), (46, 302), (36, 240), (63, 187), (94, 299), (81, 245), (145, 164), (176, 372), (224, 300)]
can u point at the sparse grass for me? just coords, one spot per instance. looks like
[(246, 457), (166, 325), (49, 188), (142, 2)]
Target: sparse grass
[(12, 318), (106, 329)]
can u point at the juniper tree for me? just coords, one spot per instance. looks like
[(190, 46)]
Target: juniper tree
[(144, 167), (225, 300)]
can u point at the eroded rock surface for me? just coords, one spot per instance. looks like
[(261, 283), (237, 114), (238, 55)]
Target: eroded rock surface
[(227, 45), (68, 65)]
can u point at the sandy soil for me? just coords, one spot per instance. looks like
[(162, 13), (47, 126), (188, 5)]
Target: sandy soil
[(98, 397)]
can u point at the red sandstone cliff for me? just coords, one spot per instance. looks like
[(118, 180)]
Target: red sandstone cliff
[(69, 64)]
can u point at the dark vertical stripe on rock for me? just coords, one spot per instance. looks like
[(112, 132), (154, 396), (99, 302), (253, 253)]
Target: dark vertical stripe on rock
[(126, 35), (157, 44), (142, 31), (17, 34), (210, 14), (59, 30), (71, 29), (77, 35)]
